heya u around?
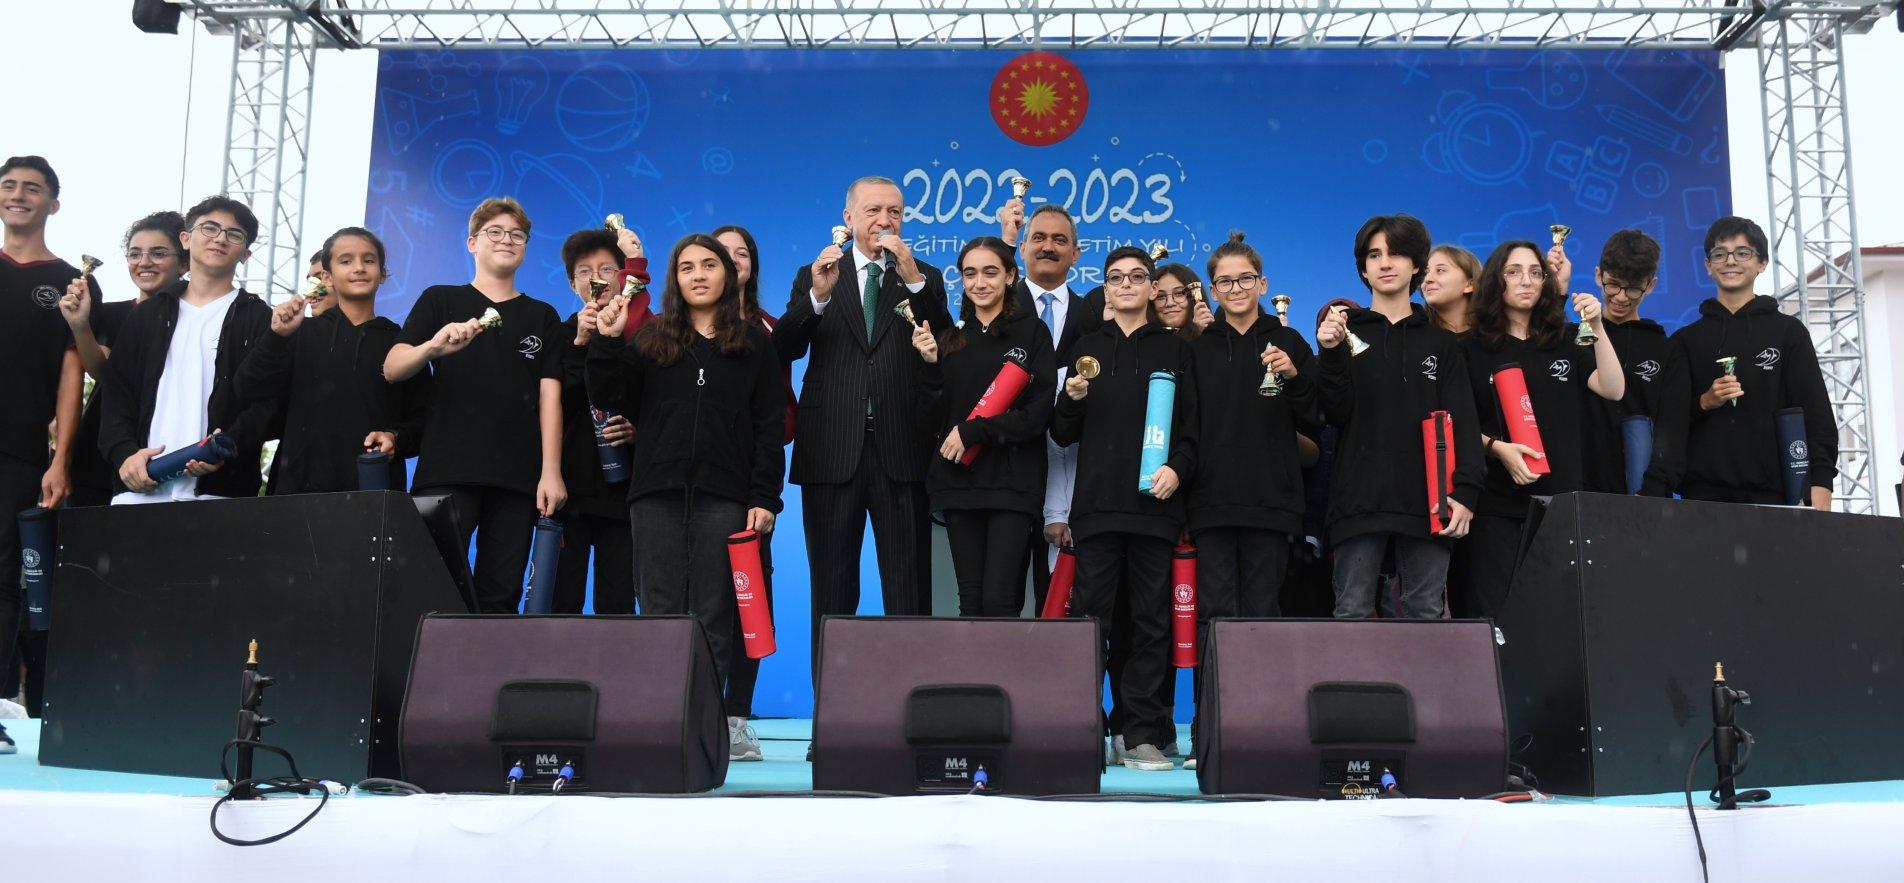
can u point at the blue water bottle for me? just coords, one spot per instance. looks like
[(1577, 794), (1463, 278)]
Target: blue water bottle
[(1637, 434), (373, 471), (36, 562), (1157, 414), (614, 458), (544, 550), (1794, 455), (213, 449)]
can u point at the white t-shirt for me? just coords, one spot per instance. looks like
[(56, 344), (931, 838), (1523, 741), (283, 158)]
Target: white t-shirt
[(179, 417)]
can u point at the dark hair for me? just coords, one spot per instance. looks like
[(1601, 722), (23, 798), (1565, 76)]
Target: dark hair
[(1631, 256), (168, 224), (952, 339), (1052, 208), (222, 203), (1733, 225), (669, 334), (750, 290), (1130, 251), (1182, 273), (1489, 305), (1406, 236), (583, 243), (1235, 246), (359, 232), (36, 163)]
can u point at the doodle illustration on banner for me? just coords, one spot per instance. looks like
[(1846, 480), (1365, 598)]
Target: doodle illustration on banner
[(603, 107), (1039, 99), (520, 85)]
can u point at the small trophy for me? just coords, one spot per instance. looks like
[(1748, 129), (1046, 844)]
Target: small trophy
[(615, 222), (1730, 366), (314, 289), (1583, 335), (841, 234), (1158, 252), (490, 319), (633, 286), (1281, 303), (87, 264), (1272, 385), (1020, 187), (1196, 293), (595, 289), (1086, 367), (1560, 232), (1357, 345), (903, 310)]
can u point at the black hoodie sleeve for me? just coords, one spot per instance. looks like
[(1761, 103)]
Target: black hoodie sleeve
[(1031, 413), (1670, 421), (1805, 388), (794, 332), (1183, 437), (1457, 396), (256, 420), (413, 410), (1302, 392), (930, 408), (614, 375), (1067, 416), (1335, 385), (266, 372), (769, 409), (119, 436)]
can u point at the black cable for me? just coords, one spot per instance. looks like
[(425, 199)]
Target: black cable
[(1696, 838), (264, 787), (388, 786)]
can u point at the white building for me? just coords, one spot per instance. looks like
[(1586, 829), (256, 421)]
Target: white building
[(1883, 328)]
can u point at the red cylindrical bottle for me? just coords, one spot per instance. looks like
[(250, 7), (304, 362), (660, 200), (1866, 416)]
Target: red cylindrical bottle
[(1517, 413), (1058, 595), (750, 597), (1183, 607), (1010, 381)]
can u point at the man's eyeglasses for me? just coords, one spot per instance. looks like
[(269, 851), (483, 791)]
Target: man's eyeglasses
[(1742, 254), (1138, 278), (498, 234), (156, 255), (215, 230), (1246, 282)]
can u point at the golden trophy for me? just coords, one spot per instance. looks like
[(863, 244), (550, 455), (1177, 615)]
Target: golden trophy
[(1560, 233), (1730, 366), (87, 264), (1281, 303), (633, 286), (1583, 335), (841, 234), (1272, 384), (595, 289), (1158, 252), (1020, 187), (903, 310), (1357, 345), (615, 222), (1086, 368), (491, 319)]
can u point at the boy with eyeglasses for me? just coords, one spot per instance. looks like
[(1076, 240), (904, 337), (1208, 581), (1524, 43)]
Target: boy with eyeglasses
[(1628, 271), (172, 377), (492, 441), (1732, 450)]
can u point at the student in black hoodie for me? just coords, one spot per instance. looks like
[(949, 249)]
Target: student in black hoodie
[(1122, 533), (326, 375), (172, 378), (992, 505), (596, 516), (1519, 320), (1656, 385), (702, 386), (1377, 402), (492, 441), (1732, 450)]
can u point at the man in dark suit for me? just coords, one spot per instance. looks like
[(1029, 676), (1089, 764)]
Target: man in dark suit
[(1049, 252), (857, 447)]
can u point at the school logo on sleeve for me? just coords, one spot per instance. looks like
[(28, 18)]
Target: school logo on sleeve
[(1646, 370), (529, 346), (1429, 366), (46, 296), (1768, 358), (1558, 369)]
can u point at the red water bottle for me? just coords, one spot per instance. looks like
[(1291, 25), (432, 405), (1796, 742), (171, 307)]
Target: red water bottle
[(1006, 385), (750, 596), (1183, 607), (1517, 414), (1058, 595), (1437, 449)]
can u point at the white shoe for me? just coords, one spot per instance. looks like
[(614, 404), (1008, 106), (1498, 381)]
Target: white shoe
[(1189, 763), (1148, 759), (742, 743)]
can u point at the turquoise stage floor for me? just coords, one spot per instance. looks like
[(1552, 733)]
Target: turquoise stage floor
[(783, 742)]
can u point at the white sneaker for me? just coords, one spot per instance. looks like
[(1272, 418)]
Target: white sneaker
[(742, 743), (1189, 763), (1148, 759)]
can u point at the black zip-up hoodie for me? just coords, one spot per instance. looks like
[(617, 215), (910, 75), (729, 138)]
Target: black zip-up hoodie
[(132, 389), (1250, 474), (708, 423), (1010, 472), (1377, 402), (589, 492), (1108, 428), (1653, 379), (326, 379), (1732, 451)]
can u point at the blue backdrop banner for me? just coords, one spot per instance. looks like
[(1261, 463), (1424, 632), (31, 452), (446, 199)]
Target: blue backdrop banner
[(1295, 148)]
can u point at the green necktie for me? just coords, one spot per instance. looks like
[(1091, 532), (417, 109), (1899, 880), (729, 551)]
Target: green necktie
[(869, 298)]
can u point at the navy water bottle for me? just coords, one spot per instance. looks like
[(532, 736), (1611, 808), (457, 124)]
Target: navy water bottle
[(36, 562), (213, 449), (373, 471), (544, 550), (1794, 456), (614, 458), (1636, 433)]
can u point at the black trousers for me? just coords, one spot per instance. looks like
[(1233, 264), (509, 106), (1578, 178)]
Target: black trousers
[(1240, 572), (614, 547), (835, 516), (1142, 563), (681, 565), (502, 521), (745, 674), (1482, 567), (988, 559), (19, 489)]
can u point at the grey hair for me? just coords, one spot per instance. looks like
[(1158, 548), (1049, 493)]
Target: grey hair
[(1052, 208), (868, 179)]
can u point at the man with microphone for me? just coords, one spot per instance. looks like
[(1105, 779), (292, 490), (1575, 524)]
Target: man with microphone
[(857, 449)]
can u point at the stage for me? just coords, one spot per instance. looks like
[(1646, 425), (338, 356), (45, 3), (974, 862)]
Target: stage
[(60, 824)]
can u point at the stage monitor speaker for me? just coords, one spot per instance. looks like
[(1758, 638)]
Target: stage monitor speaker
[(1323, 708), (630, 703), (153, 607), (1622, 605), (910, 705)]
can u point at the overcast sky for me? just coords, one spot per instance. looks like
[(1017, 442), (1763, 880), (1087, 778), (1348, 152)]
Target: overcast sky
[(134, 122)]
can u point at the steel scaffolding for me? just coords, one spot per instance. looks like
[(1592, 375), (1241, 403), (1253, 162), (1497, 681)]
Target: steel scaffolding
[(1799, 46)]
